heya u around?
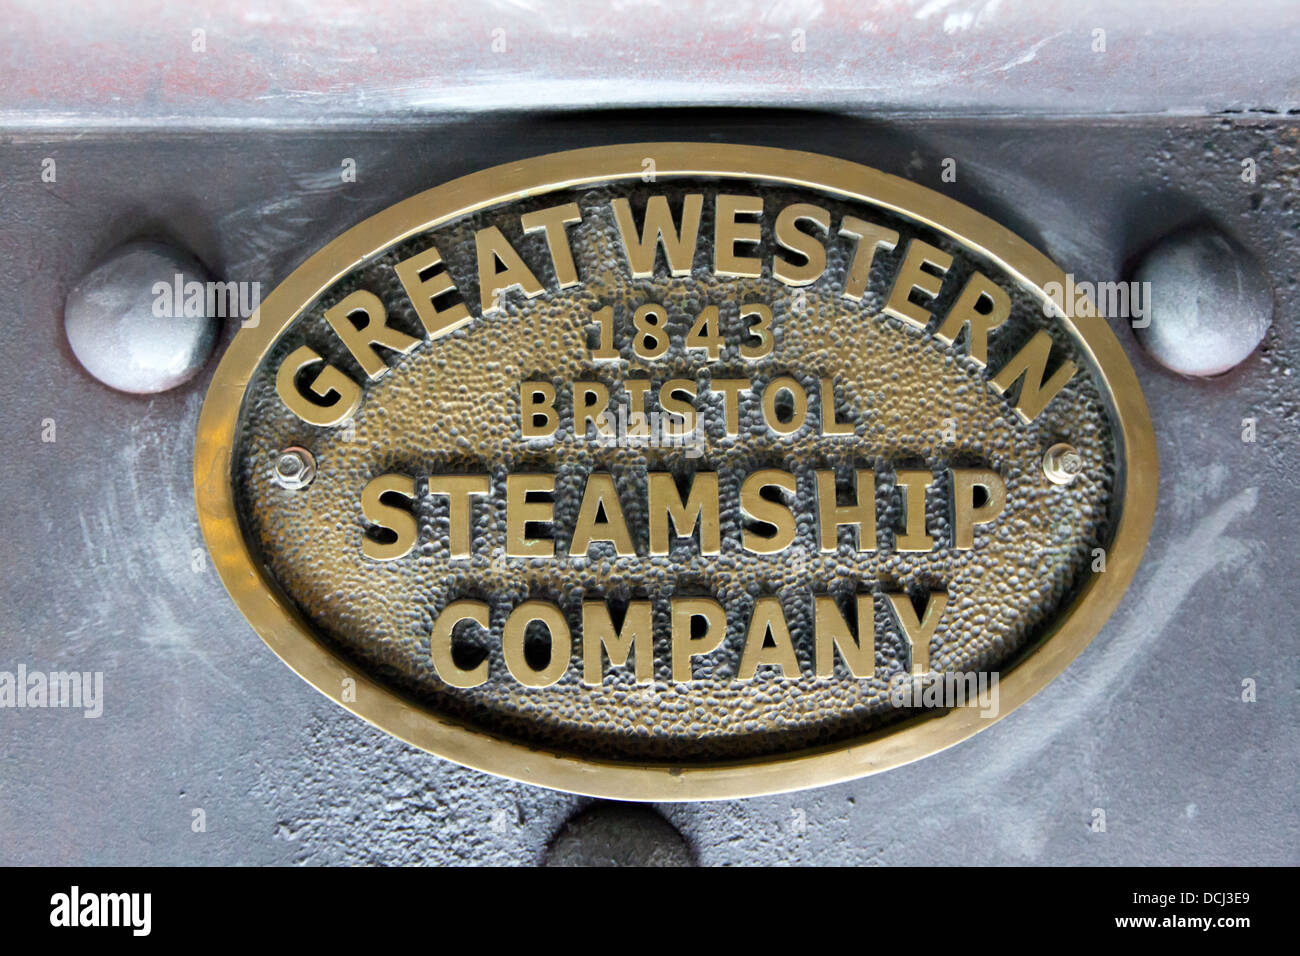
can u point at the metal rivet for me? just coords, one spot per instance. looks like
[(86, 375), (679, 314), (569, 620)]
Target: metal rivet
[(1210, 303), (121, 334), (295, 468), (1062, 464), (618, 834)]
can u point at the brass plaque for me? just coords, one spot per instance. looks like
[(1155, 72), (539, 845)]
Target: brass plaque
[(676, 471)]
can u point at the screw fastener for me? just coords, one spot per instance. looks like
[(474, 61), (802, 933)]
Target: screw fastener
[(1062, 464), (295, 468)]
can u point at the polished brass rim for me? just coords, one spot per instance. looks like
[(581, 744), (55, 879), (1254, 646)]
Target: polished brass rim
[(275, 618)]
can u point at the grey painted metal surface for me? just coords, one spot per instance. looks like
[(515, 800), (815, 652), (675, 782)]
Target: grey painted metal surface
[(103, 567), (318, 61)]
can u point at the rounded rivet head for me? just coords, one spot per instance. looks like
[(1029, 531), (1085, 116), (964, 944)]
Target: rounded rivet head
[(1062, 464), (295, 468), (126, 331), (618, 834), (1210, 303)]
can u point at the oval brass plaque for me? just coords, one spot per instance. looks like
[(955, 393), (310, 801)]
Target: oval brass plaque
[(676, 471)]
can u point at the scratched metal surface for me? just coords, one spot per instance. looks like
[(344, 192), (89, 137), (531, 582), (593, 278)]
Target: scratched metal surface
[(146, 62), (99, 570)]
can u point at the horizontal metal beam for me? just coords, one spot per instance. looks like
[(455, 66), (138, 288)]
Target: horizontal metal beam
[(151, 63)]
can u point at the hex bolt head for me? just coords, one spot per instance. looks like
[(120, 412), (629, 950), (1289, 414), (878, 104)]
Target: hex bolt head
[(125, 331), (1062, 464), (295, 468), (1210, 303)]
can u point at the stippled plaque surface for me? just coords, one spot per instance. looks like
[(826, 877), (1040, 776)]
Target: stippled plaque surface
[(672, 471)]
